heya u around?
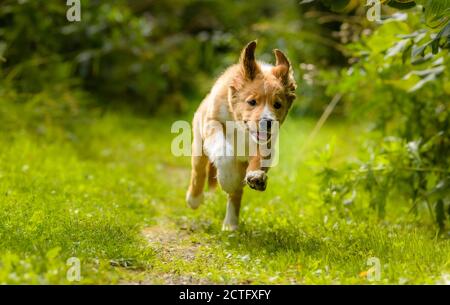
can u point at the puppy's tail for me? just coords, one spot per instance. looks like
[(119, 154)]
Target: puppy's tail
[(212, 176)]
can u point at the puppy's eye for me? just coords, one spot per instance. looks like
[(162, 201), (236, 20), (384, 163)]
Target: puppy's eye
[(277, 105), (251, 102)]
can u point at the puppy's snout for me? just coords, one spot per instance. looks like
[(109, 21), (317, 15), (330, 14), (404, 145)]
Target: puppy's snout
[(265, 124)]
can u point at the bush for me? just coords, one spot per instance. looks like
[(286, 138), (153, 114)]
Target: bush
[(150, 55), (400, 82)]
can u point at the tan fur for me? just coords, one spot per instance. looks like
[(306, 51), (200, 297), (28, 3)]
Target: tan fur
[(212, 176), (231, 99)]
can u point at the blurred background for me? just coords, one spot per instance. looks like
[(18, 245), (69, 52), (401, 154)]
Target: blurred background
[(163, 56)]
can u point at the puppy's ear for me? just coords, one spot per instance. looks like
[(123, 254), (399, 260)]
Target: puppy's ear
[(283, 71), (249, 66), (282, 67)]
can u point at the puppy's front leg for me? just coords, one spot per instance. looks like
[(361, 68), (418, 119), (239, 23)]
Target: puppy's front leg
[(230, 172), (221, 153), (231, 220), (256, 176)]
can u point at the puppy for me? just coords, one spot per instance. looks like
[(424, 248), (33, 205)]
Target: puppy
[(246, 102)]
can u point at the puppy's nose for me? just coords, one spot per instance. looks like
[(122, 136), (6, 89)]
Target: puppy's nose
[(265, 124)]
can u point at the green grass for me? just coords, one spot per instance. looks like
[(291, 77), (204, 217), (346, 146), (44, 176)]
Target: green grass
[(111, 193)]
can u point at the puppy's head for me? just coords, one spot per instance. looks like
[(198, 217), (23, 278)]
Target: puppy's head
[(261, 95)]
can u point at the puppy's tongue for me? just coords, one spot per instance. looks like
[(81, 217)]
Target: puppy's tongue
[(262, 135)]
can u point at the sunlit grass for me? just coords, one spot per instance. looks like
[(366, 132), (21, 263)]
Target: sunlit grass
[(90, 193)]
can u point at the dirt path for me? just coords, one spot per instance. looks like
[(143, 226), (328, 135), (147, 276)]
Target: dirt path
[(171, 244)]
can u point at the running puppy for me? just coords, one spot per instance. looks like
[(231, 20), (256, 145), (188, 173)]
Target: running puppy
[(255, 97)]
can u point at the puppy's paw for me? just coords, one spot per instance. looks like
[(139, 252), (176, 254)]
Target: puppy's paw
[(229, 227), (257, 180), (194, 202)]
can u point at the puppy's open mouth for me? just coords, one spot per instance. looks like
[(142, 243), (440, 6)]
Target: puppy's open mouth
[(260, 136)]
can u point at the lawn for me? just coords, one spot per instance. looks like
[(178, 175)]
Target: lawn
[(110, 193)]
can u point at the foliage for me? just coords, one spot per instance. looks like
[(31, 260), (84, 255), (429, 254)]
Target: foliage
[(436, 11), (152, 55), (400, 82)]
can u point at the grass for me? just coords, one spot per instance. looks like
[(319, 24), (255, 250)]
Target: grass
[(110, 193)]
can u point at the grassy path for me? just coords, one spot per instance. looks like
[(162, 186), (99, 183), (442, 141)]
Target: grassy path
[(111, 194)]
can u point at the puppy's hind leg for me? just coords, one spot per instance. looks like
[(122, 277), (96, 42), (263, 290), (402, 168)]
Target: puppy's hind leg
[(194, 195), (212, 176)]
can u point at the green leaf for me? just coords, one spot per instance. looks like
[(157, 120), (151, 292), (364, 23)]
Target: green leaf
[(436, 11), (416, 50), (421, 83), (421, 60), (399, 47), (444, 33)]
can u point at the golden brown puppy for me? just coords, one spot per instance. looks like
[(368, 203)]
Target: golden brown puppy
[(243, 108)]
